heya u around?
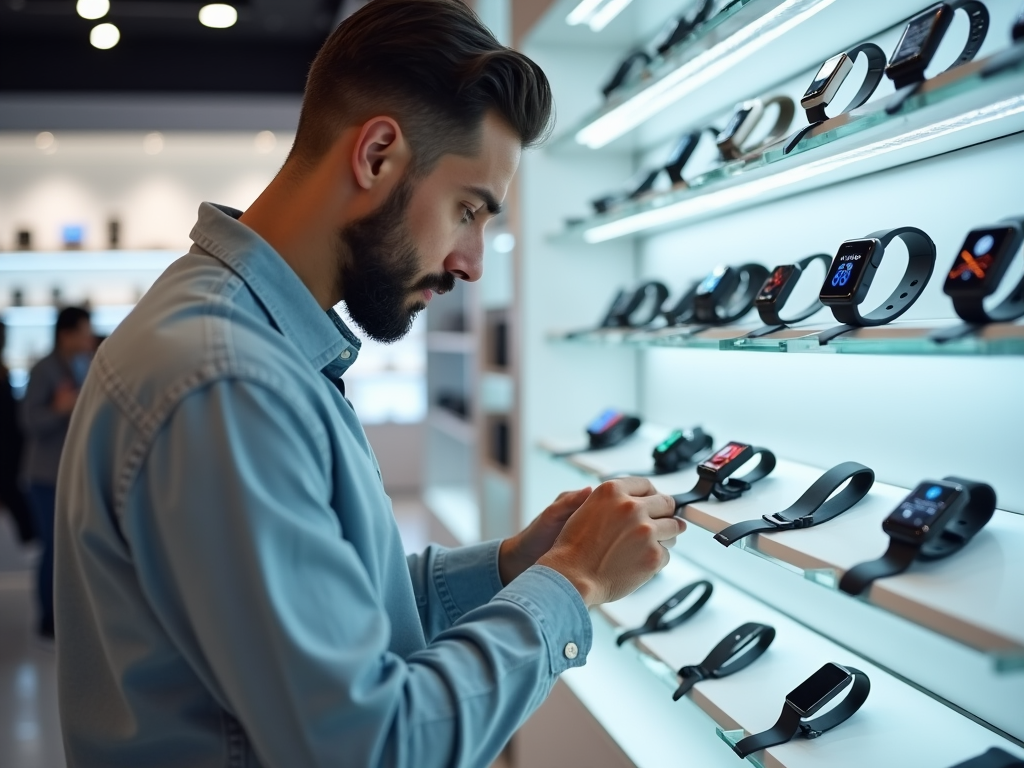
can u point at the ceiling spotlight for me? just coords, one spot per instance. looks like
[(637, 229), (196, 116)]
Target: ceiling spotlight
[(153, 143), (45, 140), (218, 15), (104, 36), (93, 9), (265, 142)]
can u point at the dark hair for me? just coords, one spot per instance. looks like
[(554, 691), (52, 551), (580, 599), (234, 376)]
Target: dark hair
[(432, 66), (68, 319)]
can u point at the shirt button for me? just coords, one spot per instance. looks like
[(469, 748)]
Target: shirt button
[(571, 651), (346, 354)]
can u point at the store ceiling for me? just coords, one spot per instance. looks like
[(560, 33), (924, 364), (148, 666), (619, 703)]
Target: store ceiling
[(44, 47)]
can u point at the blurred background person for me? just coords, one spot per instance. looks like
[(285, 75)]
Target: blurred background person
[(53, 387), (12, 498)]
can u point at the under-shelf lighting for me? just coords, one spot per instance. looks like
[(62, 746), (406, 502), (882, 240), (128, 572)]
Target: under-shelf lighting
[(699, 71), (596, 13), (702, 205)]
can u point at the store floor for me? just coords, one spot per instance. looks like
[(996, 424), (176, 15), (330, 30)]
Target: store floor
[(29, 724)]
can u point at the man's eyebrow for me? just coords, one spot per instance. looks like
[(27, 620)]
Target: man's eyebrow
[(490, 202)]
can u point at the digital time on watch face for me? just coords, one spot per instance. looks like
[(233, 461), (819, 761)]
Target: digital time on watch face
[(725, 456), (825, 74), (926, 504), (774, 286), (819, 689), (847, 270), (604, 422), (918, 36), (982, 261)]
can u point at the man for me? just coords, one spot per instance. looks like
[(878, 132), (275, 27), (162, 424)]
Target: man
[(50, 397), (11, 445), (229, 567)]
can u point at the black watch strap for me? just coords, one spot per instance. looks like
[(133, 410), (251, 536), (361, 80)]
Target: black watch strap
[(1012, 307), (684, 151), (656, 621), (993, 758), (700, 492), (920, 265), (683, 310), (737, 650), (876, 71), (787, 111), (813, 507), (731, 488), (981, 505), (785, 728), (742, 301), (897, 559), (771, 315)]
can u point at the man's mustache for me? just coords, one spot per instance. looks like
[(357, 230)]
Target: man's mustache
[(442, 283)]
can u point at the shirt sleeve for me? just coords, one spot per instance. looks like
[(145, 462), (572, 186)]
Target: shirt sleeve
[(246, 565), (451, 582), (37, 414)]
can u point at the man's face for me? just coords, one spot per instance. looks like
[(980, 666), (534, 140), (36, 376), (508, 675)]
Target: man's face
[(425, 236), (78, 340)]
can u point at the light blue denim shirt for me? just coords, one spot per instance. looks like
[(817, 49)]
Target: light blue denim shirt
[(231, 588)]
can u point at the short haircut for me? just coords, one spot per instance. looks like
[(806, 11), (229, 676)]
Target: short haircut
[(433, 67), (69, 319)]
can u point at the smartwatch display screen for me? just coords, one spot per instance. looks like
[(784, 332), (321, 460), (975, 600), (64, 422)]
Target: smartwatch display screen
[(982, 261), (847, 270), (773, 287), (819, 689), (604, 422), (725, 456), (821, 80), (734, 124), (919, 511), (666, 445), (920, 35), (711, 282)]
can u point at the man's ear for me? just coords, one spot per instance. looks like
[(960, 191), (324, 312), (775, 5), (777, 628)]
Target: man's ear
[(380, 154)]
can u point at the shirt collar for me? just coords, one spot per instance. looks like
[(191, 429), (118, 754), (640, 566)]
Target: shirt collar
[(321, 337)]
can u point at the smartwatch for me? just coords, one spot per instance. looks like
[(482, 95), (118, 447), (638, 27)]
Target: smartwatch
[(807, 699), (679, 28), (776, 290), (713, 474), (817, 505), (737, 650), (683, 151), (826, 84), (682, 311), (631, 309), (657, 622), (921, 39), (727, 294), (978, 269), (611, 428), (994, 758), (853, 269), (672, 453), (745, 118), (639, 184), (628, 70), (936, 520)]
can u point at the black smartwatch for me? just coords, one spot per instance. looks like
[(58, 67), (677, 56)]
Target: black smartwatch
[(827, 81), (994, 758), (746, 117), (776, 290), (682, 312), (714, 474), (630, 68), (677, 29), (936, 520), (683, 151), (672, 453), (853, 269), (978, 269), (737, 650), (808, 698), (611, 428), (727, 294), (814, 507), (657, 622), (920, 41)]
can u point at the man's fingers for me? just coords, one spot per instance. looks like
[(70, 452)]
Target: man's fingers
[(634, 486), (660, 505), (666, 528)]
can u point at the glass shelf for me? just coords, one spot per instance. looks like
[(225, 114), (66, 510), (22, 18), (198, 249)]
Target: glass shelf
[(951, 111), (899, 338), (732, 738)]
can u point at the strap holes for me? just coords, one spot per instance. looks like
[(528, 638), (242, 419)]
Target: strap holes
[(903, 295), (913, 283), (889, 307)]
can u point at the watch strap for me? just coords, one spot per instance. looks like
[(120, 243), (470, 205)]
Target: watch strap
[(734, 487), (700, 492), (742, 300), (897, 559), (784, 119), (684, 151), (655, 621), (683, 310), (785, 728), (627, 65), (737, 650), (854, 700), (876, 71), (1012, 307), (771, 314), (958, 530), (813, 507), (920, 265)]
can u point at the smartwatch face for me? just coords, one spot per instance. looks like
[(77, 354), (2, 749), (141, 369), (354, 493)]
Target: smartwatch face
[(734, 125), (825, 75), (982, 261), (819, 689), (921, 38), (732, 453), (917, 513), (712, 281), (775, 286), (669, 442), (604, 422), (847, 271)]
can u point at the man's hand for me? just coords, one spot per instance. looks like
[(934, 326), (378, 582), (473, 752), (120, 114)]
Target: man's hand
[(616, 541), (64, 399), (519, 552)]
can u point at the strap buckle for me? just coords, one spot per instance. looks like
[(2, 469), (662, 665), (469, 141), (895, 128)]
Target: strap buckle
[(809, 732), (693, 671)]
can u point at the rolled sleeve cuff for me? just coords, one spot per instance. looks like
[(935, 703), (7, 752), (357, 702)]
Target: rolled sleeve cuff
[(467, 577), (556, 605)]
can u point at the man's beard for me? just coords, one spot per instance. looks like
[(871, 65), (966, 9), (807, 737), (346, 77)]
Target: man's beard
[(377, 267)]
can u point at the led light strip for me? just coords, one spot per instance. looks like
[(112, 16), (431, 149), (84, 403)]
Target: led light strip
[(589, 12), (703, 204), (699, 71)]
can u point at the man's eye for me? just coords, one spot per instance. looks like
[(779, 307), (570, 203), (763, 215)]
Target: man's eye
[(468, 214)]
